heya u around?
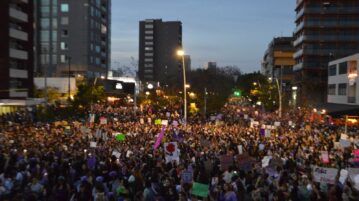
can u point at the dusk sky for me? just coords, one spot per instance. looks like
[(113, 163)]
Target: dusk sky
[(230, 32)]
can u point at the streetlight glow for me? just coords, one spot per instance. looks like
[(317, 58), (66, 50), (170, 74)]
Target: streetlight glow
[(180, 53)]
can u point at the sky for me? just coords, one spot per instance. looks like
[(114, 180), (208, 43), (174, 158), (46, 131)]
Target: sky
[(229, 32)]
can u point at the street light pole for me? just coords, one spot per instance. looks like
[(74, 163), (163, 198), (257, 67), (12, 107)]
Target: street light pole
[(181, 53), (184, 89)]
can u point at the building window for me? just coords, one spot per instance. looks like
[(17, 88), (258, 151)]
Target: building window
[(342, 89), (44, 23), (97, 61), (331, 89), (332, 70), (64, 33), (64, 46), (64, 20), (44, 36), (64, 7), (343, 68), (98, 49), (63, 58)]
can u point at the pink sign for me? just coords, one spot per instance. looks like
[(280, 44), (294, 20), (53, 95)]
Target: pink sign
[(356, 155), (325, 156)]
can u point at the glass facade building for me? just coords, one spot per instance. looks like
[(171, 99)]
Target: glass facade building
[(73, 37)]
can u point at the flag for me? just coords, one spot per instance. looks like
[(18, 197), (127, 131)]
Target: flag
[(159, 138), (200, 190)]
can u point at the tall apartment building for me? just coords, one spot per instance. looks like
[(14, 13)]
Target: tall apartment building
[(326, 30), (158, 59), (278, 59), (73, 37), (16, 49)]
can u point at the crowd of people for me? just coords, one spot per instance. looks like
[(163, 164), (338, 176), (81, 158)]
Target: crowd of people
[(241, 153)]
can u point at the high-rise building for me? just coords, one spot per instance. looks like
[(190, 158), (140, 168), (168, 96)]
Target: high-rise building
[(325, 30), (278, 64), (16, 49), (278, 59), (158, 59), (73, 37)]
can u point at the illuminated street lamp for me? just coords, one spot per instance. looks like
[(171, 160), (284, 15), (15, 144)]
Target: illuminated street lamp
[(181, 54), (150, 86)]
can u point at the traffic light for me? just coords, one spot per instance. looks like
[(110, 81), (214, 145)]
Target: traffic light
[(237, 93)]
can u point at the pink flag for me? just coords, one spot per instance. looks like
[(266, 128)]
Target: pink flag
[(325, 156), (356, 155), (159, 138)]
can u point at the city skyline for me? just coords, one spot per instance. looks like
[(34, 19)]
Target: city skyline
[(206, 35)]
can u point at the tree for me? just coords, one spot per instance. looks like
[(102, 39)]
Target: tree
[(88, 94), (53, 94)]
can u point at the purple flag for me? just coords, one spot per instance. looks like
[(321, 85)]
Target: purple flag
[(262, 131), (159, 138), (91, 162)]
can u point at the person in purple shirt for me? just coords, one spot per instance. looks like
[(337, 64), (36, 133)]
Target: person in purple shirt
[(229, 195)]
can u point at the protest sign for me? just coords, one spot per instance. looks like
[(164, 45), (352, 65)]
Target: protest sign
[(226, 161), (290, 123), (356, 155), (343, 176), (267, 133), (344, 136), (354, 177), (245, 116), (212, 118), (186, 177), (240, 149), (261, 147), (200, 190), (103, 120), (92, 118), (325, 156), (93, 144), (265, 161), (344, 143), (277, 123), (324, 175), (158, 122), (172, 152), (120, 137), (164, 122), (116, 153)]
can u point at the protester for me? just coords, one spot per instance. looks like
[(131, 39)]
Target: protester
[(239, 154)]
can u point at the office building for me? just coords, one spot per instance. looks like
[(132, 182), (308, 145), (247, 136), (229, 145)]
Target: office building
[(343, 80), (325, 30), (73, 37), (278, 64), (278, 59), (16, 49), (158, 59)]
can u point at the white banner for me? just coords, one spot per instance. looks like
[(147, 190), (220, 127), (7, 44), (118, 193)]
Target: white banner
[(324, 175)]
